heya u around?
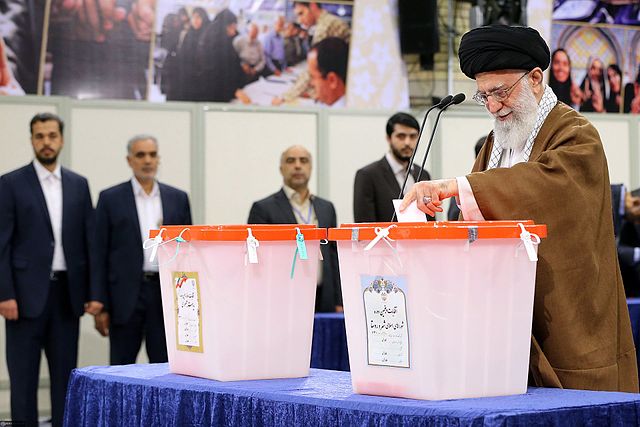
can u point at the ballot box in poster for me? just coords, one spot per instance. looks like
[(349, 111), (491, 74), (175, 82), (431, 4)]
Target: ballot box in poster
[(438, 310), (238, 300)]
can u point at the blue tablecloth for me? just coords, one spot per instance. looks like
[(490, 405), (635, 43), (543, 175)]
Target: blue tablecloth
[(329, 349), (148, 395)]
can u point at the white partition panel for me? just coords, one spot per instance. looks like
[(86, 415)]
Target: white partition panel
[(354, 141), (16, 143), (99, 139), (242, 158), (615, 139)]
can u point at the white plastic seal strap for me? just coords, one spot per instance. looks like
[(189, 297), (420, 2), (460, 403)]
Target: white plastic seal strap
[(252, 248), (381, 234), (529, 239), (157, 241)]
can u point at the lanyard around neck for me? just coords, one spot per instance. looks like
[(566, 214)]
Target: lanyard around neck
[(307, 219)]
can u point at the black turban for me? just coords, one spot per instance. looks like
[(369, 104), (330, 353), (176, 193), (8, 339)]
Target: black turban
[(501, 47)]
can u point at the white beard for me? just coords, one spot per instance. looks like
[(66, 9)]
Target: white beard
[(513, 133)]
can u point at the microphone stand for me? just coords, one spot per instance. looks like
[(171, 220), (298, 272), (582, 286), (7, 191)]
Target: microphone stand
[(456, 100), (445, 101)]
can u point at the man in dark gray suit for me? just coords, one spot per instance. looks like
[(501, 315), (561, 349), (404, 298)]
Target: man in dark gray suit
[(46, 226), (124, 215), (378, 183), (294, 204), (626, 225)]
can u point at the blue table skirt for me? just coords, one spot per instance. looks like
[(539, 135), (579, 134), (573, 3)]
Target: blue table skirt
[(148, 395), (329, 349), (634, 315)]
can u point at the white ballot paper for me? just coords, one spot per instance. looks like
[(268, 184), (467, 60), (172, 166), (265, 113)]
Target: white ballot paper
[(411, 214)]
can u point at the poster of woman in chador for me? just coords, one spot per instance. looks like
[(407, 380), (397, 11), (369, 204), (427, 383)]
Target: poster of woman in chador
[(252, 52), (595, 63)]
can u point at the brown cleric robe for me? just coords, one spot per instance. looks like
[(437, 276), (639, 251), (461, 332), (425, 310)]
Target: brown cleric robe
[(581, 335)]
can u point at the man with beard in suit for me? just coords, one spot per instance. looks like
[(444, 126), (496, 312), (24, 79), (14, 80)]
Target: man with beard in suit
[(378, 183), (46, 226)]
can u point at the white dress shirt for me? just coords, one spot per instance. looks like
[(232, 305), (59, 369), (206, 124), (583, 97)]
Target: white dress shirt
[(302, 209), (51, 183), (149, 207), (399, 172)]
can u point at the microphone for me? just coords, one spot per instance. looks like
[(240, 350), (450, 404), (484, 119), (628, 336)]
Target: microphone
[(444, 102), (457, 99)]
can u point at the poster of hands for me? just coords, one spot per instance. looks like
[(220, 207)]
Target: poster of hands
[(595, 63), (280, 52)]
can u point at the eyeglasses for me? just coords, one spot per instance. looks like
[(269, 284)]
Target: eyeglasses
[(498, 95)]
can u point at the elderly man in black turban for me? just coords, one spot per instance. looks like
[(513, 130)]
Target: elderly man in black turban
[(545, 162)]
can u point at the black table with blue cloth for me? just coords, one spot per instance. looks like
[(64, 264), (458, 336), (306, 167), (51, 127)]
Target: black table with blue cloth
[(148, 395)]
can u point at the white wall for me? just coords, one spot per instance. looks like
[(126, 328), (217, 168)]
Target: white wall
[(616, 139)]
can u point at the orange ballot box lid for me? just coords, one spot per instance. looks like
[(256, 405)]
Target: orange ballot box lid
[(438, 230), (238, 232)]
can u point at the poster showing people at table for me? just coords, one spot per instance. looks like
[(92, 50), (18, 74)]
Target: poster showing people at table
[(252, 52), (385, 308), (595, 64)]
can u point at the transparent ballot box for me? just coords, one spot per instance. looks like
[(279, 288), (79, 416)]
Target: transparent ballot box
[(238, 300), (438, 310)]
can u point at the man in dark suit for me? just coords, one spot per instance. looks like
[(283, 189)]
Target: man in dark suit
[(626, 225), (619, 197), (378, 183), (46, 226), (124, 216), (294, 204)]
